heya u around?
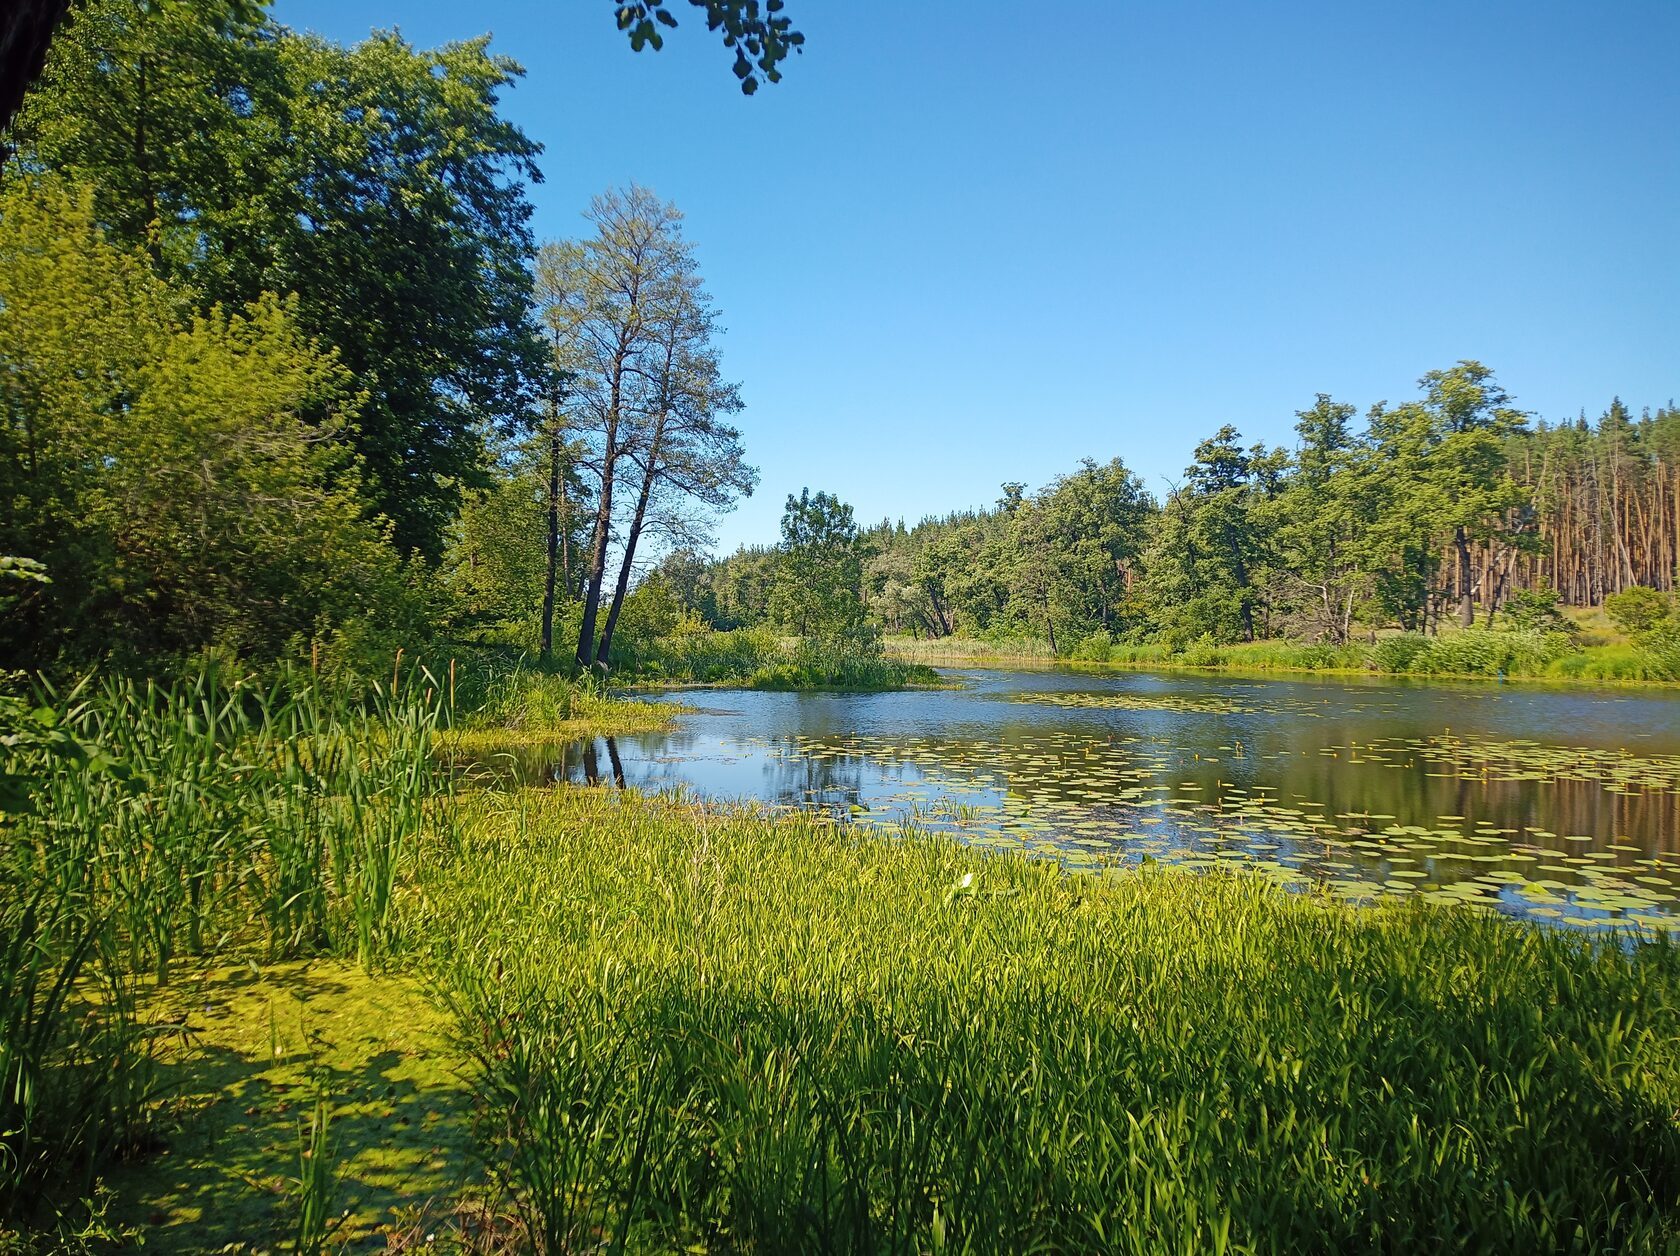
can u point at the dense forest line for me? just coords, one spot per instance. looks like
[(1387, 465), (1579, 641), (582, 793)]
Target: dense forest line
[(1454, 508)]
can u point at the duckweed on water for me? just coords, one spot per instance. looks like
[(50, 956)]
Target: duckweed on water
[(695, 1028)]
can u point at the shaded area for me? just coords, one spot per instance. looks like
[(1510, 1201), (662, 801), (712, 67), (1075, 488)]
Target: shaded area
[(262, 1044)]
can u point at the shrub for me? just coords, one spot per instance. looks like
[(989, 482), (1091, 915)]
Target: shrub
[(1399, 652), (1202, 652), (1094, 648), (1660, 646), (1637, 610), (1536, 610), (1487, 652)]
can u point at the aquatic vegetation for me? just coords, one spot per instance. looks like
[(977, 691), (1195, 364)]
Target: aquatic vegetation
[(1533, 761), (272, 1060), (275, 819), (1129, 701), (692, 1022), (1379, 820)]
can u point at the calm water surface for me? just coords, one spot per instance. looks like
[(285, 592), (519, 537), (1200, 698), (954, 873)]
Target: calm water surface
[(1562, 805)]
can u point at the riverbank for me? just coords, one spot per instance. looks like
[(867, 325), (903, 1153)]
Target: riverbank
[(1472, 656), (674, 1022), (577, 1016)]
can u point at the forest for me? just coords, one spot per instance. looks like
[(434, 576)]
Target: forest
[(1454, 510), (287, 375), (373, 871)]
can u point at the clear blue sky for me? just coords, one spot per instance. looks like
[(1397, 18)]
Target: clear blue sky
[(963, 242)]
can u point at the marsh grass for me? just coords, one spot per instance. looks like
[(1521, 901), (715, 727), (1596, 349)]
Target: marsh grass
[(278, 818), (838, 666), (757, 658), (955, 651), (1476, 653), (702, 1027)]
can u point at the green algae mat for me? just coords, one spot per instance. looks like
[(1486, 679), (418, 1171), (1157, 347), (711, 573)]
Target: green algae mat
[(249, 1053)]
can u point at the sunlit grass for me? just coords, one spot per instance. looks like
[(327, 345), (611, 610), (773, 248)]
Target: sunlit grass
[(690, 1024)]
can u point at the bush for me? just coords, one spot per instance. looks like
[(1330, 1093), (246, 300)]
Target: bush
[(1637, 610), (1095, 648), (1487, 652), (1202, 652), (1660, 646), (1536, 610), (829, 665)]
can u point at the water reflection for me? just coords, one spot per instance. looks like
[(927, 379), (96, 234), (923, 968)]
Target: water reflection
[(1369, 789)]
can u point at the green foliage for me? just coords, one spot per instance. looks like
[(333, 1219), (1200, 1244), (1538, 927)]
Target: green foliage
[(838, 665), (1399, 652), (818, 590), (877, 1026), (378, 184), (181, 476), (1536, 610), (1660, 647), (761, 36), (1638, 609), (1480, 652)]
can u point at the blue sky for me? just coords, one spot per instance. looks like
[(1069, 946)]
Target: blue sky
[(970, 241)]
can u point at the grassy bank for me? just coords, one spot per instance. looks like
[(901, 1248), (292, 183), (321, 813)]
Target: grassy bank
[(1473, 654), (571, 1018), (703, 1029), (756, 658)]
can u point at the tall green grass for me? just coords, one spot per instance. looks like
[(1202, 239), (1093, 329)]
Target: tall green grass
[(703, 1029), (759, 659), (1473, 652), (225, 815)]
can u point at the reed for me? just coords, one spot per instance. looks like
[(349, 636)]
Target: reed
[(197, 816)]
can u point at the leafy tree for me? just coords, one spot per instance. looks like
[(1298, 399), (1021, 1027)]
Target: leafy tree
[(497, 563), (180, 475), (601, 298), (1215, 546), (760, 35), (1322, 517), (819, 583), (1448, 484), (686, 455), (1096, 523), (377, 183)]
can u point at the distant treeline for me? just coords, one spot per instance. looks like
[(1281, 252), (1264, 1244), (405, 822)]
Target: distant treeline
[(1455, 507)]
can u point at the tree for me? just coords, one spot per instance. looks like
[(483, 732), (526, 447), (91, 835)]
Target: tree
[(180, 476), (601, 303), (1215, 546), (686, 454), (1322, 516), (1095, 524), (760, 36), (1447, 484), (379, 184), (819, 584)]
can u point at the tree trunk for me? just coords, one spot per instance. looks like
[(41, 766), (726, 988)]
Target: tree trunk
[(610, 454), (1466, 605), (630, 539), (551, 575), (597, 572)]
